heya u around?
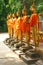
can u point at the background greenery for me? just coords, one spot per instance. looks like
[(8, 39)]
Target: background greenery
[(11, 6)]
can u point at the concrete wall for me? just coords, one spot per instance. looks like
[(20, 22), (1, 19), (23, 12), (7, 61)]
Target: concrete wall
[(41, 26), (41, 23)]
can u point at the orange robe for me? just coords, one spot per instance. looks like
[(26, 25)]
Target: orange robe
[(10, 23), (34, 19), (9, 27), (14, 24), (18, 24), (25, 24)]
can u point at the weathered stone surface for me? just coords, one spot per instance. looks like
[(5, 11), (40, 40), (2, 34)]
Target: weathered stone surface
[(32, 54), (19, 52), (19, 45), (28, 60)]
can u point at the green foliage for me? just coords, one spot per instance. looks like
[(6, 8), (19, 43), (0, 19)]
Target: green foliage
[(1, 6), (40, 7), (15, 5)]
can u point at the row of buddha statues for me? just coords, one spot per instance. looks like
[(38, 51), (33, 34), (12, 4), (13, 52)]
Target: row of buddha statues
[(20, 26)]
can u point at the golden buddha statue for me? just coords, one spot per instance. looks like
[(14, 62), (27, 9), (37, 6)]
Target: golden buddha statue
[(34, 24)]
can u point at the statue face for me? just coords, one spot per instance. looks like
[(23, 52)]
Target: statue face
[(18, 14), (14, 15), (33, 10), (24, 13)]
